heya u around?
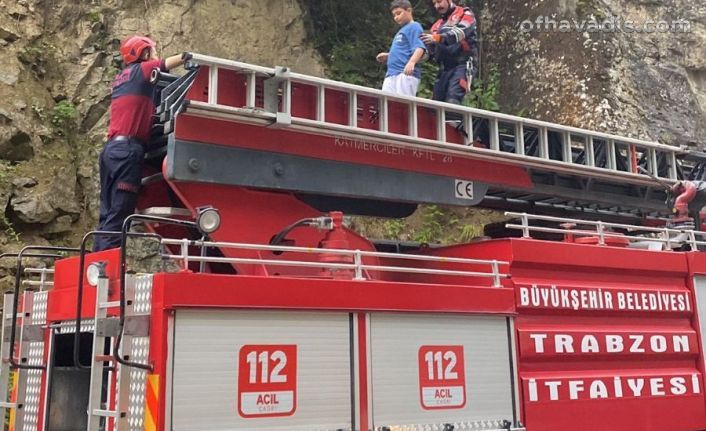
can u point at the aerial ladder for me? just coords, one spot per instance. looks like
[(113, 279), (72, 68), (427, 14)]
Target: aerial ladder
[(277, 315)]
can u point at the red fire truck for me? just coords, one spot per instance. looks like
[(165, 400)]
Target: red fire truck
[(582, 312)]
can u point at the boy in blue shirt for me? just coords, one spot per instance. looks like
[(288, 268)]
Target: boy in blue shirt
[(407, 49)]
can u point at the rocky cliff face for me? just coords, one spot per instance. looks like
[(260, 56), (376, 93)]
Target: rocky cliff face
[(648, 84), (59, 58)]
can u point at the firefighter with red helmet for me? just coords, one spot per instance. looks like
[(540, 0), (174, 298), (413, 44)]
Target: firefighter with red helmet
[(452, 44), (132, 110)]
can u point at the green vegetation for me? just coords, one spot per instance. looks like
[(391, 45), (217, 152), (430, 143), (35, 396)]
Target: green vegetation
[(394, 228), (432, 225), (349, 34), (8, 229), (64, 117), (94, 16), (484, 94), (40, 57)]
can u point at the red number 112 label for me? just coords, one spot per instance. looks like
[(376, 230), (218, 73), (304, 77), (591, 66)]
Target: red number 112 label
[(442, 377), (267, 380)]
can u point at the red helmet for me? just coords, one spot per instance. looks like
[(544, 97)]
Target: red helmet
[(132, 47)]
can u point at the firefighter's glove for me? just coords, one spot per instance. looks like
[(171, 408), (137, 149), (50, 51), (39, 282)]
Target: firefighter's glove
[(428, 39), (187, 58)]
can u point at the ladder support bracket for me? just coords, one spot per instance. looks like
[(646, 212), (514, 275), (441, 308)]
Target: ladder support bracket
[(276, 94)]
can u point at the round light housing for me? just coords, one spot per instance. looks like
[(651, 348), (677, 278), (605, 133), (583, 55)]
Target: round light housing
[(208, 220), (95, 271)]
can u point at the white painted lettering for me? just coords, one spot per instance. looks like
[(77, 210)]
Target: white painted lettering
[(575, 386), (589, 344), (636, 386), (598, 389), (681, 343), (678, 385), (618, 386), (608, 300), (563, 343), (614, 343), (657, 386), (637, 344), (658, 343), (538, 342), (532, 388), (553, 386), (621, 300)]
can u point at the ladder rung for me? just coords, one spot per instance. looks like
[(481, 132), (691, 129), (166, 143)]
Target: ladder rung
[(106, 413), (109, 304), (104, 358), (7, 405)]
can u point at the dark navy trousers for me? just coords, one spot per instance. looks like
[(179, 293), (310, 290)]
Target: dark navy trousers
[(121, 163), (451, 84)]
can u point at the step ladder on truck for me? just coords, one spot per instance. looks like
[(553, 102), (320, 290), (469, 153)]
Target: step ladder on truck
[(267, 311)]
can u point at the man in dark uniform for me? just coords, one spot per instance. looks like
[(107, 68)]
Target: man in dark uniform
[(132, 109), (452, 44)]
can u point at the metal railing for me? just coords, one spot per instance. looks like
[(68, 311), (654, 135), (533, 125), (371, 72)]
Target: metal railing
[(361, 271), (555, 147), (670, 238), (43, 283)]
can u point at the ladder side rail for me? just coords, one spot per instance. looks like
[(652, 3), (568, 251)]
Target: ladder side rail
[(20, 389), (493, 118), (5, 402), (123, 373), (312, 80), (95, 411)]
